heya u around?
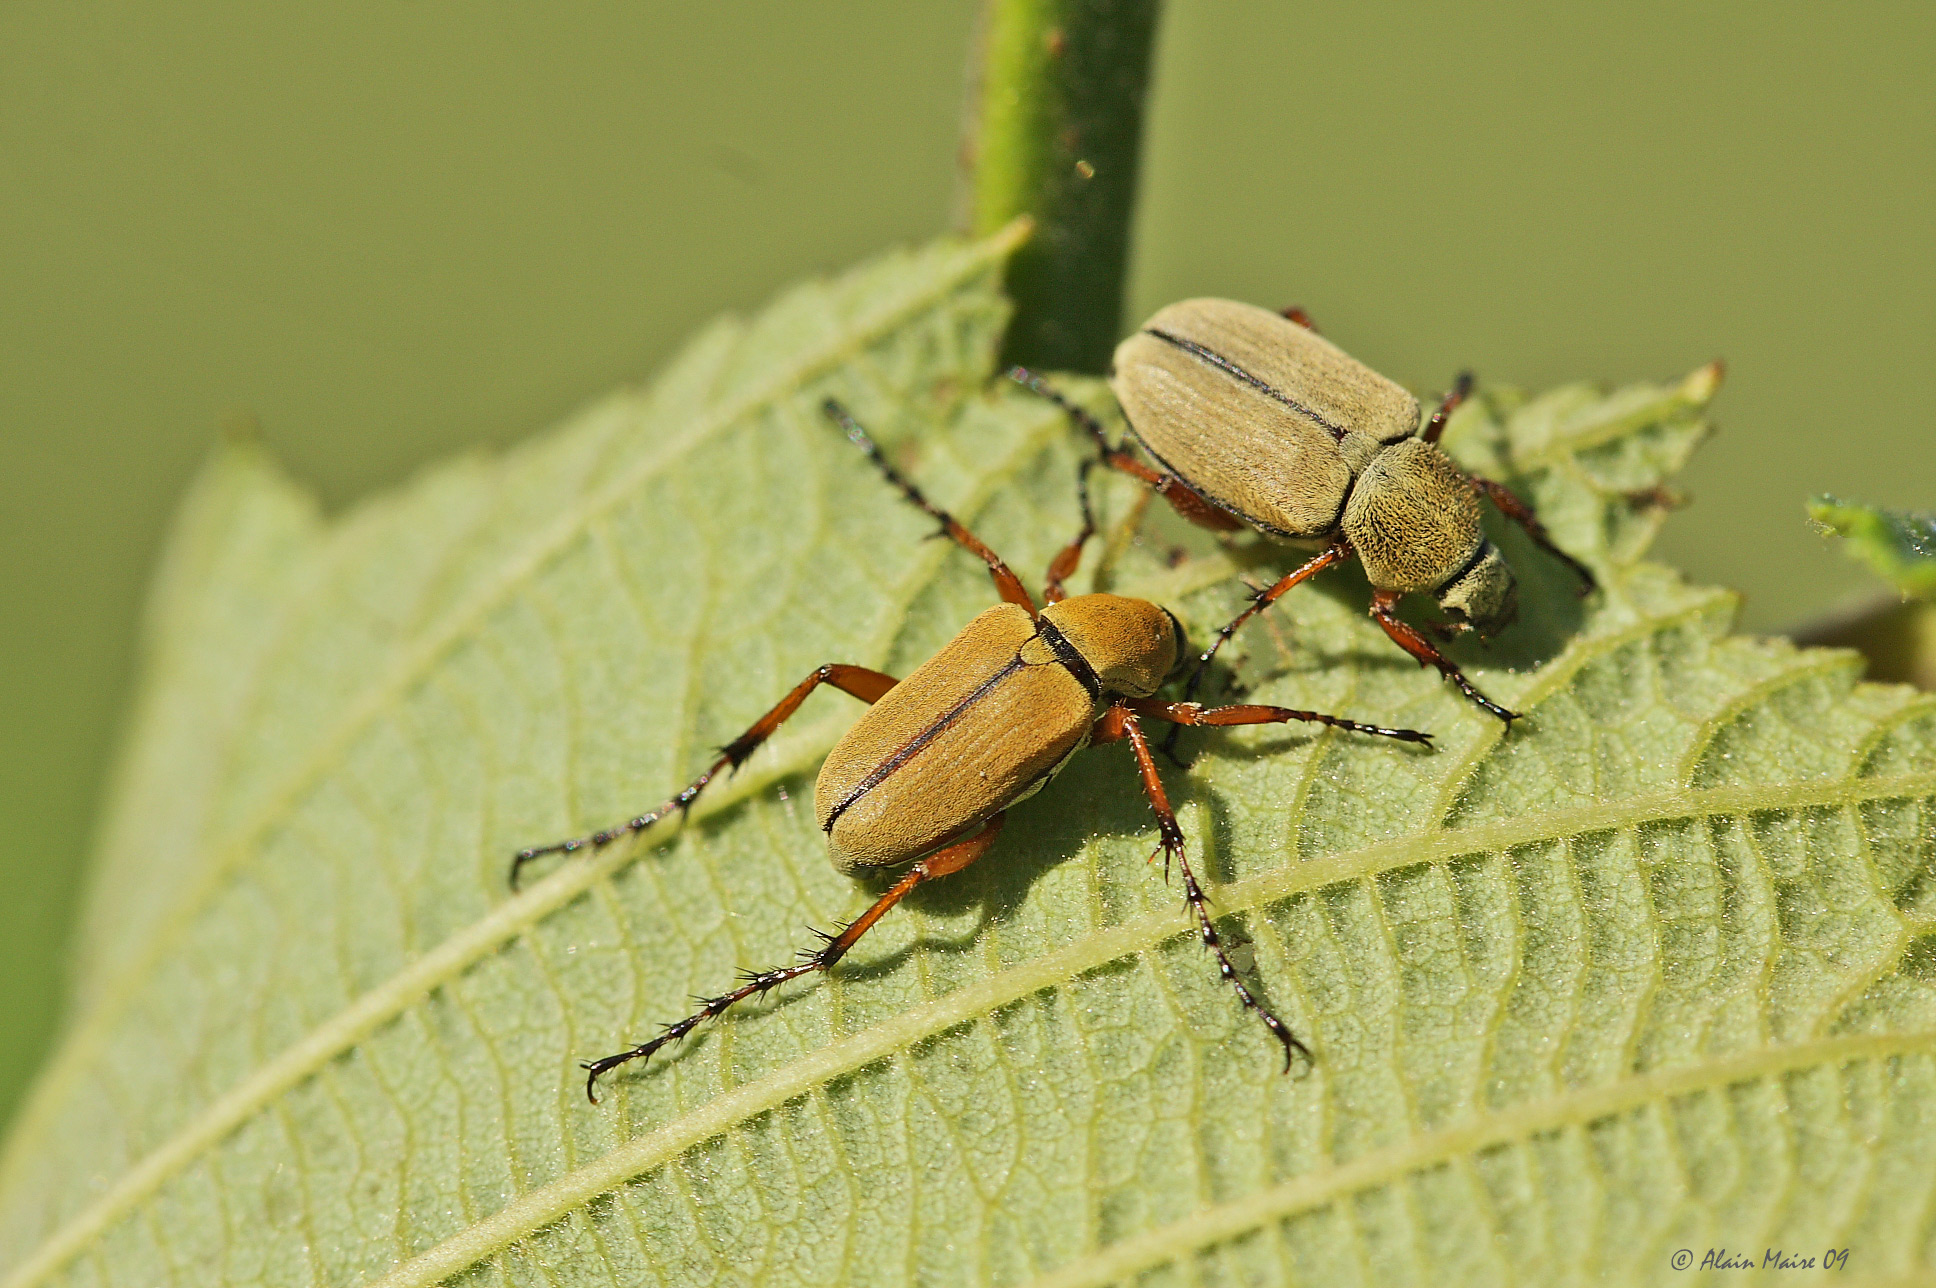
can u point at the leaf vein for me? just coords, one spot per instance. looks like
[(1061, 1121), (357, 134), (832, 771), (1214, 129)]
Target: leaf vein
[(1579, 1107), (647, 1152), (85, 1044)]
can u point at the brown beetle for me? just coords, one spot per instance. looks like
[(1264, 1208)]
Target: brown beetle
[(1255, 420), (928, 771)]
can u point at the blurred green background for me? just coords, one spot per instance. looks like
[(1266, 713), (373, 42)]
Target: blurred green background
[(383, 232)]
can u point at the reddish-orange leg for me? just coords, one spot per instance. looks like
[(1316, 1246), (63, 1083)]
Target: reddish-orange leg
[(1335, 553), (939, 864), (862, 683), (1193, 713), (1066, 559), (1296, 314), (1119, 721), (1007, 584), (1181, 498), (1522, 514), (1461, 390), (1509, 505), (1408, 637)]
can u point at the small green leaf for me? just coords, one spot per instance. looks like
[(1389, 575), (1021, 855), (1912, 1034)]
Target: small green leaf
[(1900, 545), (1655, 971)]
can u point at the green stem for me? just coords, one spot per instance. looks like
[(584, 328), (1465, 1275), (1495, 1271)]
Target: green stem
[(1054, 134)]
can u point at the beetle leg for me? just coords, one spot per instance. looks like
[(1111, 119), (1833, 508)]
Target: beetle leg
[(1409, 638), (1295, 313), (939, 864), (1335, 553), (1522, 514), (1070, 555), (1191, 713), (1119, 721), (1007, 584), (1186, 502), (868, 686), (1461, 390)]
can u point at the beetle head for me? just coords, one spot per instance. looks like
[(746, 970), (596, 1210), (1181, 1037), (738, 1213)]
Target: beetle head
[(1484, 597), (1131, 644)]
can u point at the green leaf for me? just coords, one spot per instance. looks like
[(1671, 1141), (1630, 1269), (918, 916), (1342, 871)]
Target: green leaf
[(1900, 545), (1656, 970)]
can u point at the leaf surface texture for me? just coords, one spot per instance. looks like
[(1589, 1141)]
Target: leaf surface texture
[(1656, 970)]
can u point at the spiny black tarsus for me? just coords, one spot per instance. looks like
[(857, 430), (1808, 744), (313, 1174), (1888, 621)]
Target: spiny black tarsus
[(1207, 934), (752, 983), (1078, 413), (730, 757), (859, 438)]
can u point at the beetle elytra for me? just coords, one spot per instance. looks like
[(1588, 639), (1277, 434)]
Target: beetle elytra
[(925, 775)]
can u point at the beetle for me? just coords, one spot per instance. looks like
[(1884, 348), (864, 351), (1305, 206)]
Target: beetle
[(1255, 420), (927, 773)]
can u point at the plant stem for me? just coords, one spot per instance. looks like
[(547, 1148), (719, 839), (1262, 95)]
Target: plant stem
[(1054, 133)]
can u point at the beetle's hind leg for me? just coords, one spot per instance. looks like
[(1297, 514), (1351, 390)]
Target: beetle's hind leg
[(939, 864), (865, 684), (1118, 722), (1070, 555), (1409, 638), (1180, 496), (1007, 584)]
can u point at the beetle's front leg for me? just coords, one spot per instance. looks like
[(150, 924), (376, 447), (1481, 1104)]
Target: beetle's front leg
[(1409, 638), (867, 685), (1522, 514)]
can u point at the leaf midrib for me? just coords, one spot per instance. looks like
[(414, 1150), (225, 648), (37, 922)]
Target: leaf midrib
[(643, 1153), (87, 1040)]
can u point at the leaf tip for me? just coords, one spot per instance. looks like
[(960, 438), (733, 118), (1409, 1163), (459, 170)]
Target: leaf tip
[(1702, 383)]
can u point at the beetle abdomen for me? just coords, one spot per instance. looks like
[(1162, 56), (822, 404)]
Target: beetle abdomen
[(1413, 518), (968, 733), (1223, 391)]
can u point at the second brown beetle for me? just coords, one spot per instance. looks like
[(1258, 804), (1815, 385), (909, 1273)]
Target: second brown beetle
[(1254, 420)]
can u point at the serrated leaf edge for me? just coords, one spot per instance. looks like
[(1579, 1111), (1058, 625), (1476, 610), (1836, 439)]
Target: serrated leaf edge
[(85, 1042), (553, 1202)]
